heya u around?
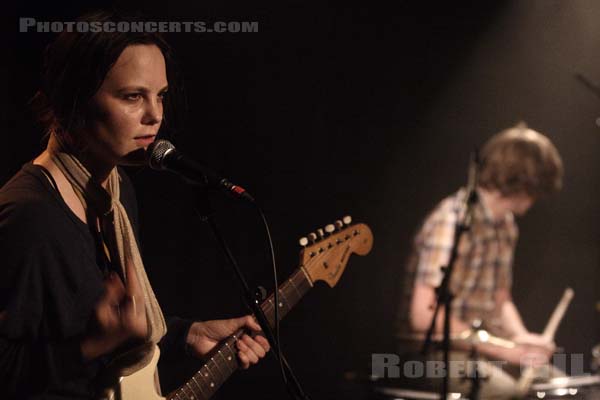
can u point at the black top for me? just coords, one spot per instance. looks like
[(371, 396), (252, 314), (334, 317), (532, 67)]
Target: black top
[(51, 275)]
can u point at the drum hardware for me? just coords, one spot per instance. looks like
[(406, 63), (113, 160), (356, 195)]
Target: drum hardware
[(409, 394), (595, 363), (527, 377), (585, 387)]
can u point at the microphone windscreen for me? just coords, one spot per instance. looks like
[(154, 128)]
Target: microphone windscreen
[(157, 151)]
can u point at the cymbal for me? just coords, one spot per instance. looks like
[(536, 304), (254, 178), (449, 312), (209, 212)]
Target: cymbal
[(470, 337), (567, 382), (481, 336)]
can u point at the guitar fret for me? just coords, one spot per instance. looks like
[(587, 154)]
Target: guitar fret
[(232, 353), (193, 396), (304, 279), (183, 392), (204, 383), (221, 376), (225, 360), (305, 282), (300, 276), (178, 394), (269, 310), (283, 303), (210, 375), (282, 298), (295, 289), (198, 385), (286, 288)]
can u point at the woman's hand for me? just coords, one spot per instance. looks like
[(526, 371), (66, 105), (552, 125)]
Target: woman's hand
[(120, 315), (204, 336)]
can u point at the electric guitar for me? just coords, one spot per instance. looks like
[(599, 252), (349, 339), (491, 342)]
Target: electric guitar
[(323, 258)]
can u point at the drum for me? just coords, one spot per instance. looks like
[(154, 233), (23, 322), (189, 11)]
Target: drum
[(585, 387), (409, 394)]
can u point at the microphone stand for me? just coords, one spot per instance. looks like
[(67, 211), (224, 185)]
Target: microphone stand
[(206, 213), (444, 295), (476, 375)]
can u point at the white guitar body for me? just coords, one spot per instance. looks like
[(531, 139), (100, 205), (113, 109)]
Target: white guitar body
[(141, 385)]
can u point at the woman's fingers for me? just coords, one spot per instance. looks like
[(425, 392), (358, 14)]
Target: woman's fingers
[(243, 360), (250, 323), (134, 316), (133, 287), (254, 346), (251, 350), (263, 342), (121, 311), (108, 309), (114, 288), (246, 355)]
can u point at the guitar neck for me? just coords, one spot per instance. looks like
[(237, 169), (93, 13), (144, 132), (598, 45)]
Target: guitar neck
[(223, 362)]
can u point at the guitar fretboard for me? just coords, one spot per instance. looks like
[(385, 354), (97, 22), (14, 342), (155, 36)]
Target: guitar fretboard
[(223, 361)]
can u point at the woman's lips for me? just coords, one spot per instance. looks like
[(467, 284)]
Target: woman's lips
[(146, 140)]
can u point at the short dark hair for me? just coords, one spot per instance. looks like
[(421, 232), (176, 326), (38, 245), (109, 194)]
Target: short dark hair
[(521, 160), (75, 66)]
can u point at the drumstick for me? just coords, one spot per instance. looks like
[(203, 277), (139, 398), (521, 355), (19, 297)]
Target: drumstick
[(548, 334)]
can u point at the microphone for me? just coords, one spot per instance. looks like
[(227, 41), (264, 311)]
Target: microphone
[(163, 156)]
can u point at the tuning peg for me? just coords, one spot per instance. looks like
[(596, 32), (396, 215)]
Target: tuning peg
[(312, 237), (303, 241), (320, 233), (347, 220), (329, 228), (339, 225)]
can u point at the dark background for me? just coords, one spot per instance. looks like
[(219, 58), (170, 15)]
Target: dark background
[(369, 111)]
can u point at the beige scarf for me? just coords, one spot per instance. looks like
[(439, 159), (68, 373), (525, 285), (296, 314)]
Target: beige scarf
[(122, 244)]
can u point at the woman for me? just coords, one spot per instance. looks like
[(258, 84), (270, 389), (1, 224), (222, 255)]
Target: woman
[(73, 290)]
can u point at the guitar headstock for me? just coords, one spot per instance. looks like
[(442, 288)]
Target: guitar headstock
[(325, 254)]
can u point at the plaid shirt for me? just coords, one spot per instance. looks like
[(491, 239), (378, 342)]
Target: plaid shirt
[(483, 264)]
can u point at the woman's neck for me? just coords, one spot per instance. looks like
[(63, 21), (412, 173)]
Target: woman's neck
[(99, 169)]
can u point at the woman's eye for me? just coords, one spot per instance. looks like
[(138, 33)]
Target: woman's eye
[(162, 95), (133, 96)]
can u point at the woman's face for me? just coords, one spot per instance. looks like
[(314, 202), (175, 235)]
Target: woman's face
[(127, 110)]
